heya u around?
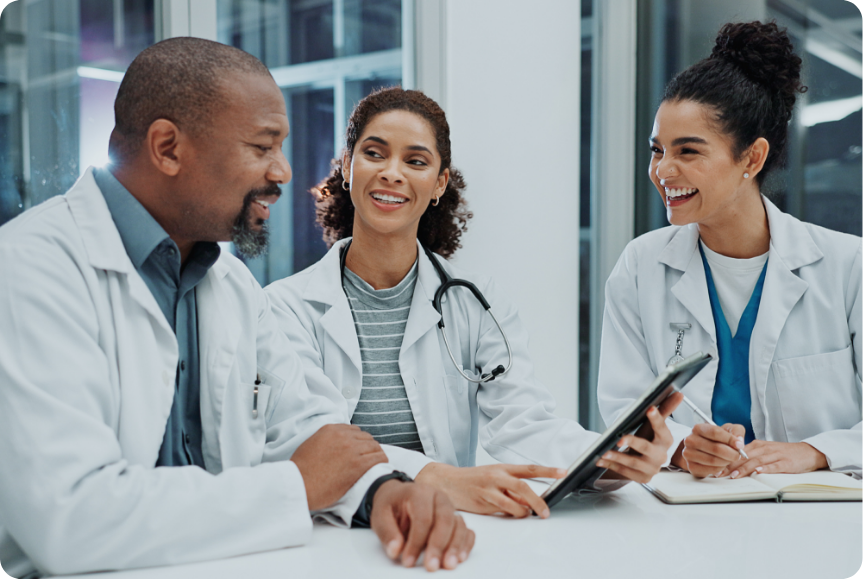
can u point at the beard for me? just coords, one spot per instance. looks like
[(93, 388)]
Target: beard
[(249, 241)]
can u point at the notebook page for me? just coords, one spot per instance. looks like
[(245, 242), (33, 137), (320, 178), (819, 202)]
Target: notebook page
[(681, 484), (822, 479)]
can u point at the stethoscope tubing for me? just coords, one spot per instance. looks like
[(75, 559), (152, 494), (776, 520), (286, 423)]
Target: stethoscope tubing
[(446, 283)]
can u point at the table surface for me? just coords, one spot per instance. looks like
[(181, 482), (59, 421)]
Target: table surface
[(626, 533)]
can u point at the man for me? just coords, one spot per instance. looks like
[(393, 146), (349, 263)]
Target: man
[(151, 411)]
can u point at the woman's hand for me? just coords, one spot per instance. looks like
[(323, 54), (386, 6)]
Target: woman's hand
[(644, 457), (709, 449), (771, 457), (490, 489)]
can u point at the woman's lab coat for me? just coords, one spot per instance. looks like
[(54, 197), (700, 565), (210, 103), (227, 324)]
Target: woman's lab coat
[(87, 380), (510, 416), (804, 355)]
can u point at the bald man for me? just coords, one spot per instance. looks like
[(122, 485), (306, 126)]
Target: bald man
[(151, 411)]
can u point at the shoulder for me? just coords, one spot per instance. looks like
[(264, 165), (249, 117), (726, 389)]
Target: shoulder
[(290, 290), (48, 223)]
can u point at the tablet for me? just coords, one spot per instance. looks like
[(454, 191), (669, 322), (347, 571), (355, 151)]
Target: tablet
[(582, 475)]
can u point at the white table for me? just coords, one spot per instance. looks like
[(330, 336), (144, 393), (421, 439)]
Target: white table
[(627, 534)]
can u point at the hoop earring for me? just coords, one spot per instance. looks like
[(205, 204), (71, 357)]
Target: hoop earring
[(345, 185), (436, 201), (746, 175)]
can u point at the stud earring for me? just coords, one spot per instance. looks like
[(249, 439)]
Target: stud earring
[(746, 175)]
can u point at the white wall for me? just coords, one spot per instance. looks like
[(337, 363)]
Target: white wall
[(509, 81)]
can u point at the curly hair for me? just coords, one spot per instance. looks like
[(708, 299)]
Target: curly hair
[(442, 225), (751, 79)]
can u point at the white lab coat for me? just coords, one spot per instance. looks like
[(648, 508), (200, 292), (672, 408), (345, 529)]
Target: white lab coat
[(511, 417), (87, 375), (804, 355)]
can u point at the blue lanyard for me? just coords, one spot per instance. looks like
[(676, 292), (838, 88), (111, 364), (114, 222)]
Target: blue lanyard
[(732, 401)]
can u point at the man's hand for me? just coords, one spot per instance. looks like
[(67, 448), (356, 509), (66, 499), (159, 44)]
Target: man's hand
[(709, 449), (490, 489), (771, 457), (411, 517), (646, 453), (333, 459)]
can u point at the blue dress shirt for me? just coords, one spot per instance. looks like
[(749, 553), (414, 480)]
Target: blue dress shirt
[(157, 259)]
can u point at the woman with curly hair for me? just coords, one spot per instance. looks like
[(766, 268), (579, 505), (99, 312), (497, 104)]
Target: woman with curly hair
[(363, 322), (775, 300)]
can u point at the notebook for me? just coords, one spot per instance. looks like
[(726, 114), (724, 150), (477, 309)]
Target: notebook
[(682, 488)]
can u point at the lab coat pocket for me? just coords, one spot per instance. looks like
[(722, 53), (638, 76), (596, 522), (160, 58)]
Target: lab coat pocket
[(458, 414), (817, 393), (250, 435)]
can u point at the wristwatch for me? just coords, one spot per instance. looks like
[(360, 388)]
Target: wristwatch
[(363, 517)]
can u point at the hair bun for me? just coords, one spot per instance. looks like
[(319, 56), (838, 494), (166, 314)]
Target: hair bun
[(763, 52)]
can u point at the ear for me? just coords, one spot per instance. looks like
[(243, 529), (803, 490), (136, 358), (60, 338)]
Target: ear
[(442, 182), (346, 166), (756, 156), (164, 144)]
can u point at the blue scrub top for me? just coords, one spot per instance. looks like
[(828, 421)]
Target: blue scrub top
[(732, 401)]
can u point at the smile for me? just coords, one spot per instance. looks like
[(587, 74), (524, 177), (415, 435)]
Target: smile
[(388, 198), (679, 193), (262, 203)]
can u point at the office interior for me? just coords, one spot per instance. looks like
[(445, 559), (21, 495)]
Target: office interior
[(550, 104)]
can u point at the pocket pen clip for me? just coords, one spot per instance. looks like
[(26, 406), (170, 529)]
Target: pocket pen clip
[(255, 399)]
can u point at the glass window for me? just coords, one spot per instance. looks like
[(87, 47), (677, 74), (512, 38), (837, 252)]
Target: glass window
[(61, 62), (822, 181), (326, 55)]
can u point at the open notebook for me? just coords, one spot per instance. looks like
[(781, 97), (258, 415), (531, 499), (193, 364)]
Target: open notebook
[(682, 487)]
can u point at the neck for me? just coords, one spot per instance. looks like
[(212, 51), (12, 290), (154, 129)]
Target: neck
[(142, 188), (742, 232), (382, 261)]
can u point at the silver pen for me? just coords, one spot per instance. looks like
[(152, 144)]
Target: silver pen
[(706, 419)]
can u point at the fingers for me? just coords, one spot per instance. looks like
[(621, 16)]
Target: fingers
[(506, 505), (520, 491), (633, 467), (387, 529), (736, 430), (460, 545), (443, 529), (422, 516), (661, 435), (670, 404), (534, 471)]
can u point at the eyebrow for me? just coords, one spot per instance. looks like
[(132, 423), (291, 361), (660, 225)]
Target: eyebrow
[(682, 141), (411, 148), (270, 132)]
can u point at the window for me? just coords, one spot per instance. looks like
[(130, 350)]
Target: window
[(325, 55), (60, 66)]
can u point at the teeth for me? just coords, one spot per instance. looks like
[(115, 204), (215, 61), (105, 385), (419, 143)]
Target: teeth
[(262, 203), (388, 198), (672, 193)]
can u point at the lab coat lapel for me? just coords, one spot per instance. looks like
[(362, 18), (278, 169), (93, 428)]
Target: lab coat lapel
[(423, 316), (791, 247), (325, 287), (218, 340), (104, 245), (682, 254)]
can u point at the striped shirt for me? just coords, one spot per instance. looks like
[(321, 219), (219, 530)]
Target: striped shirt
[(380, 317)]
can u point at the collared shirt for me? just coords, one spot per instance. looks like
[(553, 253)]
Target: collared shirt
[(157, 259)]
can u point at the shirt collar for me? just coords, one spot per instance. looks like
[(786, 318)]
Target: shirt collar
[(140, 232)]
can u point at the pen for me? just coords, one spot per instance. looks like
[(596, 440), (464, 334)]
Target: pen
[(706, 419)]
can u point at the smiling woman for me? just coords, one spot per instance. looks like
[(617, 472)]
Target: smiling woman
[(776, 301), (364, 323)]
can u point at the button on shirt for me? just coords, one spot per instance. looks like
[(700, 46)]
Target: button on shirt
[(157, 259)]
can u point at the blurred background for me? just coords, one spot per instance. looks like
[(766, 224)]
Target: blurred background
[(550, 104)]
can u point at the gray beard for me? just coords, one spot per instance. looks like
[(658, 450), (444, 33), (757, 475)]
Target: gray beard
[(248, 242)]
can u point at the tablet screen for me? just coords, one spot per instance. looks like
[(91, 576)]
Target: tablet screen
[(583, 473)]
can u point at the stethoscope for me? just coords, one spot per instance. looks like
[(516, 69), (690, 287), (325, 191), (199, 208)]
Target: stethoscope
[(447, 282)]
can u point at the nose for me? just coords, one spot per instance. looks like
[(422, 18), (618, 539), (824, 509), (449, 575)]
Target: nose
[(391, 172), (279, 170), (665, 169)]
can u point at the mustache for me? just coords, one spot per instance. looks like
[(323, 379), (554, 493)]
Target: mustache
[(266, 191)]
